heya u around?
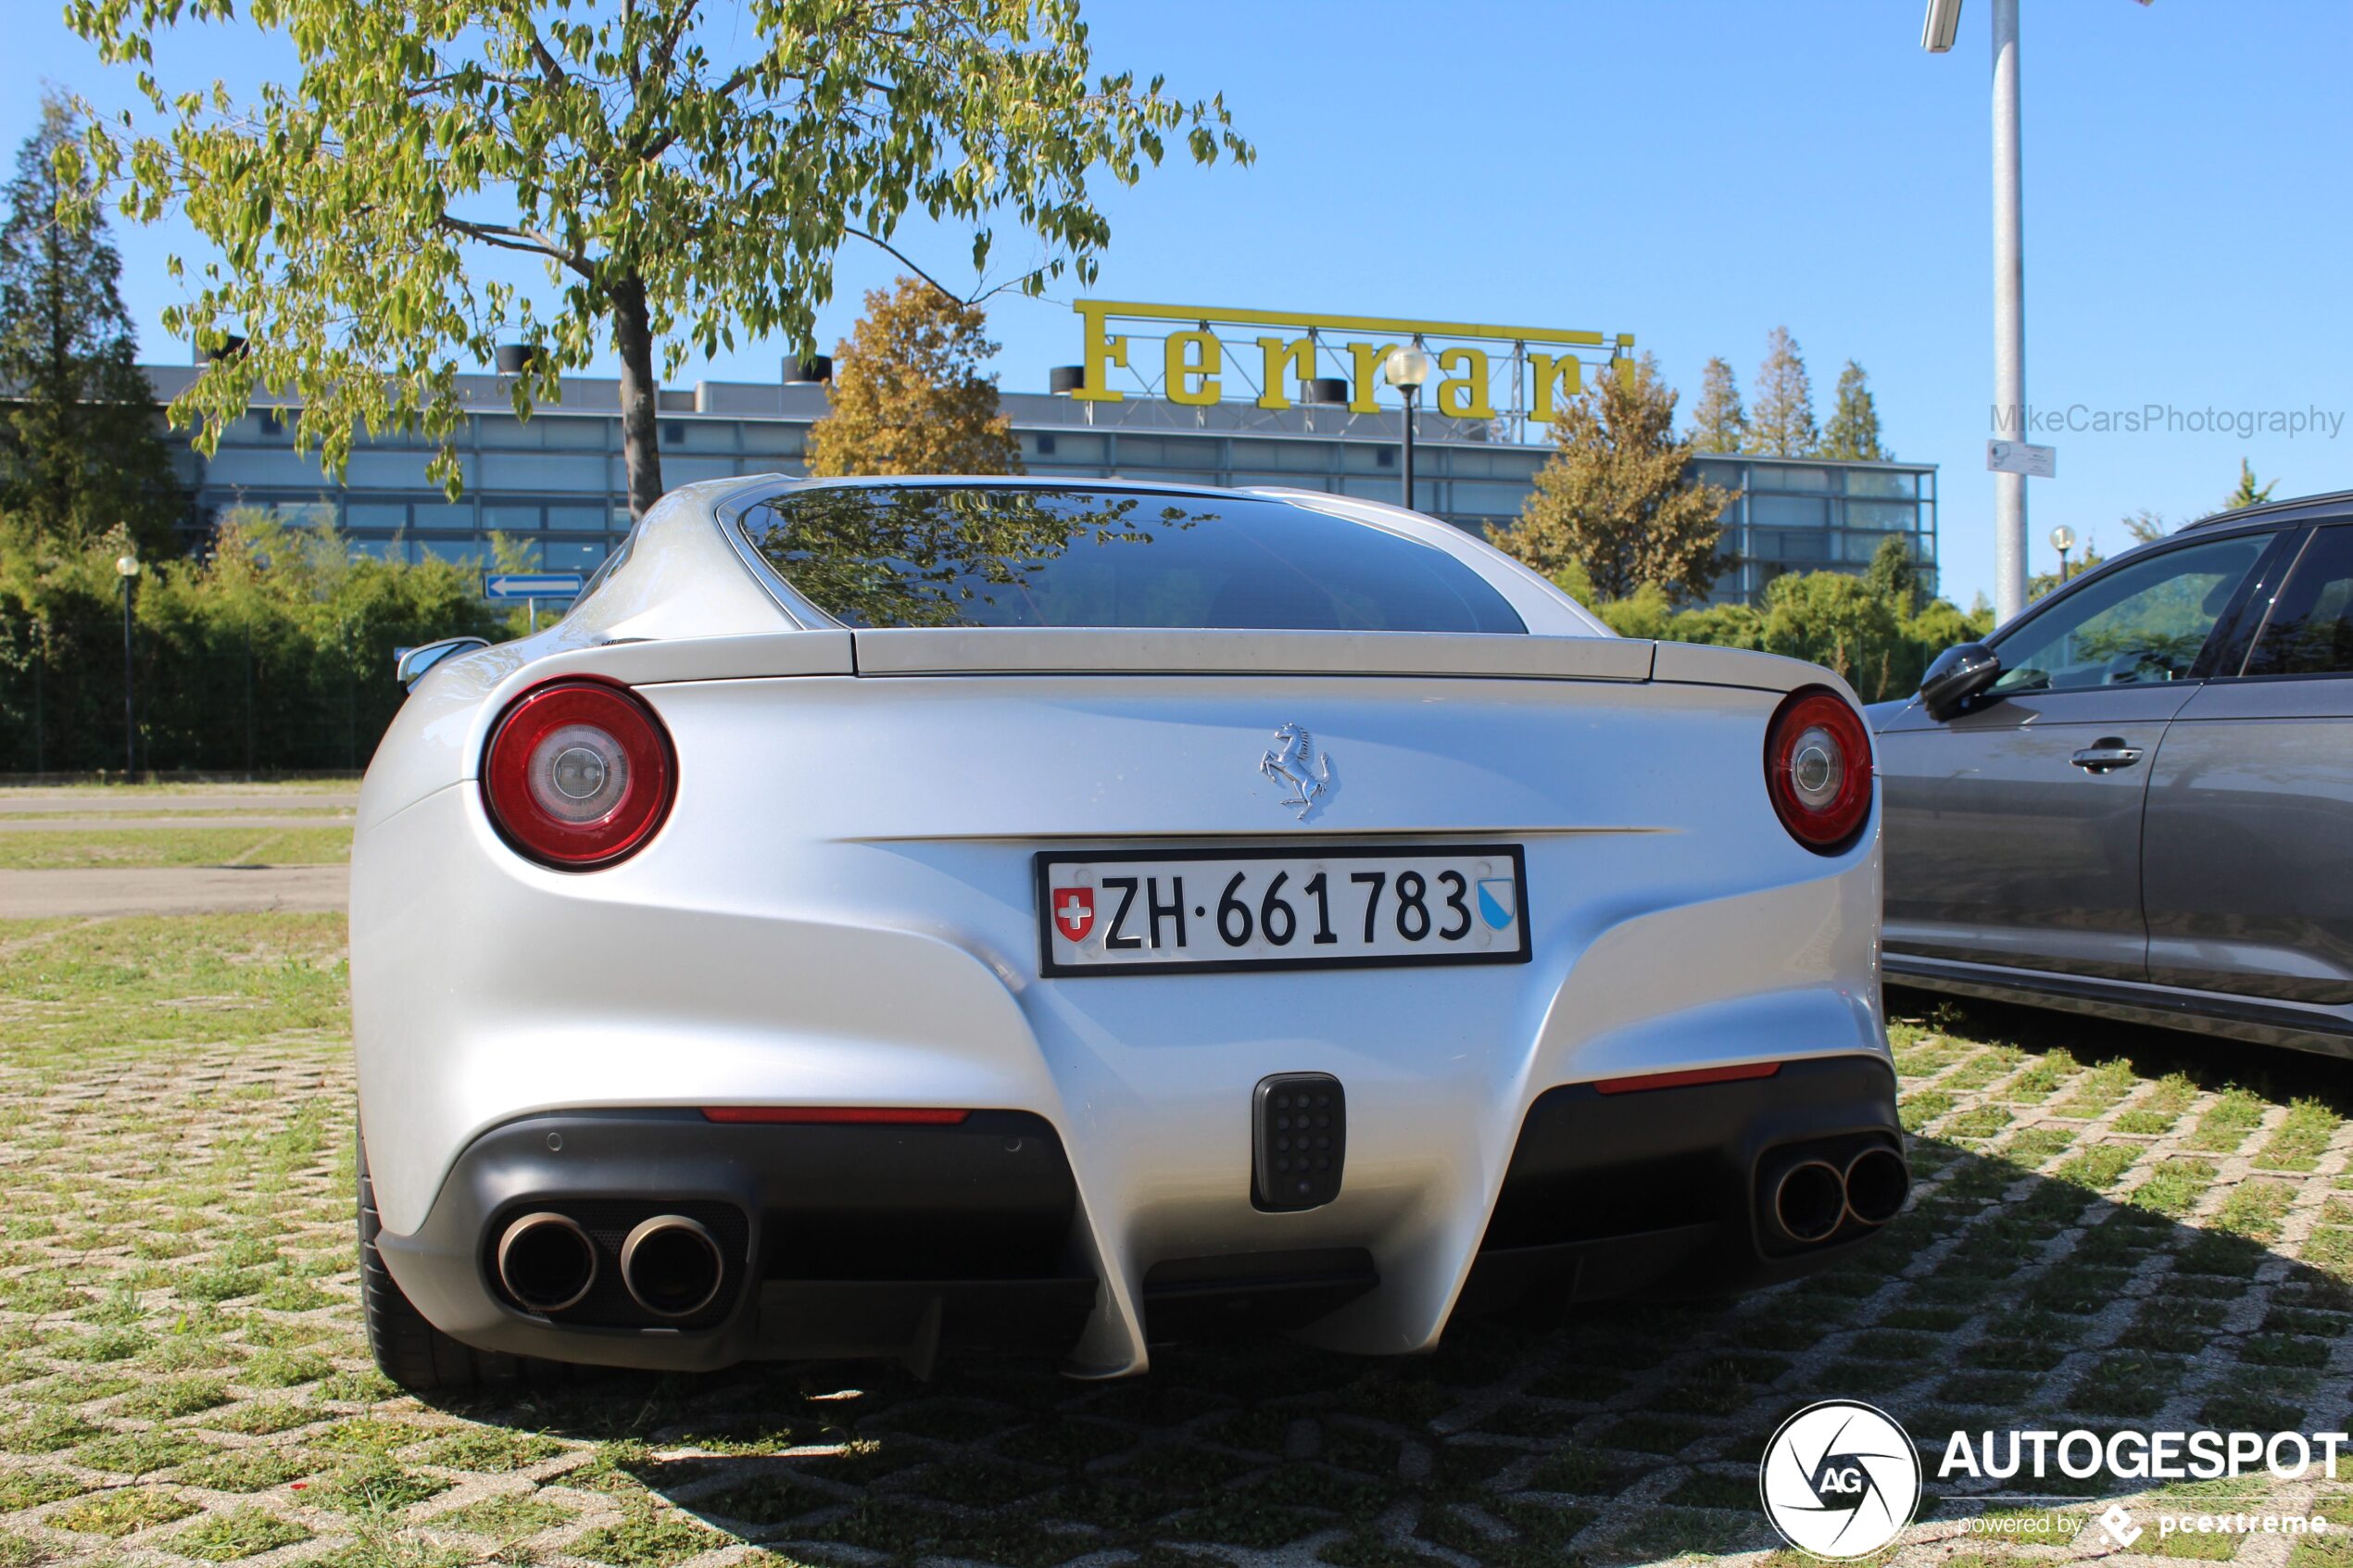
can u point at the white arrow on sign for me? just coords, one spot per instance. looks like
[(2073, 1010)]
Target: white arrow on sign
[(532, 584), (2019, 456)]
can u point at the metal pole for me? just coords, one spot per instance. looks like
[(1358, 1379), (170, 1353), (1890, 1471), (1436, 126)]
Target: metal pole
[(130, 717), (2009, 317), (1411, 393), (2062, 568)]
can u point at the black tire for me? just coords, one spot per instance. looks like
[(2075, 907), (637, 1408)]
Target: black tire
[(409, 1350)]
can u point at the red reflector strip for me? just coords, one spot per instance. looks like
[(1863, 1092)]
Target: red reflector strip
[(863, 1115), (1684, 1080)]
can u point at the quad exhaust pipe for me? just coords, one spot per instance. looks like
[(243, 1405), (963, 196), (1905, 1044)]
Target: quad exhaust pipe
[(672, 1266), (1877, 1183), (547, 1262), (1809, 1200)]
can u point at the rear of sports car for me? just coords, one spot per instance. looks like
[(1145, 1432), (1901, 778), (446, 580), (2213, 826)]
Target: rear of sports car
[(875, 988)]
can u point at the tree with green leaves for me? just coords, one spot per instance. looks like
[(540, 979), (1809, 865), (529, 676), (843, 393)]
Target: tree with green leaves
[(1616, 496), (2249, 493), (1852, 433), (1840, 622), (908, 394), (2146, 527), (1780, 422), (80, 451), (1895, 575), (1719, 422), (686, 179)]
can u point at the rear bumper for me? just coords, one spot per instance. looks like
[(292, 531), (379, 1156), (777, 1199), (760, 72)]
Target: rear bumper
[(903, 1241)]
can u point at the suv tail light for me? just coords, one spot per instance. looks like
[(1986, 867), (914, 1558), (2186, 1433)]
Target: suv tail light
[(578, 774), (1818, 768)]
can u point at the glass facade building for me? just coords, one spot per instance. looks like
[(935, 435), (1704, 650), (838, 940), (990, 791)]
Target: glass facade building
[(554, 485)]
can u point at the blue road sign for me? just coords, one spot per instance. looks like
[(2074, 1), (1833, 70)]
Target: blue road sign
[(532, 584)]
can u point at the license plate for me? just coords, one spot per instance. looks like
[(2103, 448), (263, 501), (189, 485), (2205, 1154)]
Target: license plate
[(1132, 911)]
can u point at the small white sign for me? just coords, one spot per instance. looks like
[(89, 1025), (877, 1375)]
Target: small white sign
[(2019, 456)]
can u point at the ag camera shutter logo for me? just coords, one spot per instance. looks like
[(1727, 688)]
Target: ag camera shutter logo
[(1840, 1479)]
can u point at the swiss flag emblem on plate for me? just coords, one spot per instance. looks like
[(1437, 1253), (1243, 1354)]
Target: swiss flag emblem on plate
[(1075, 912)]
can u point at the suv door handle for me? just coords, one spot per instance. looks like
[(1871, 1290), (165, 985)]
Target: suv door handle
[(2106, 755)]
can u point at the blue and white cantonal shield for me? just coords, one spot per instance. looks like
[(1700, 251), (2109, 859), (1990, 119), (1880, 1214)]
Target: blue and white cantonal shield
[(1498, 902)]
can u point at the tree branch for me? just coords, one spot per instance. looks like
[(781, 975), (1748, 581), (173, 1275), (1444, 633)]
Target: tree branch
[(529, 241), (905, 260)]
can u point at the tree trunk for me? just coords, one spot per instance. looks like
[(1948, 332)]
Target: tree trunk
[(640, 397)]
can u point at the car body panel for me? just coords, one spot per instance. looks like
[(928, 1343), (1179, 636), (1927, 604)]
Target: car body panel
[(2249, 842), (2002, 850)]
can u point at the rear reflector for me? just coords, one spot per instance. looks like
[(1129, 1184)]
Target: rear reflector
[(863, 1115), (1684, 1080)]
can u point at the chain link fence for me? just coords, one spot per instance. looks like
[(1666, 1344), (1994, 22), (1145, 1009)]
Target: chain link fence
[(201, 698)]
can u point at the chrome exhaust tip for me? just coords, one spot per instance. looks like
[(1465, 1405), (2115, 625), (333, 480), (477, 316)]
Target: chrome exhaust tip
[(1877, 1183), (672, 1266), (1809, 1201), (546, 1261)]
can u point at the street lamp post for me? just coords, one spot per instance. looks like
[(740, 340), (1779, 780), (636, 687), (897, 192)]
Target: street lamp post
[(2009, 287), (2062, 540), (127, 568), (1407, 370)]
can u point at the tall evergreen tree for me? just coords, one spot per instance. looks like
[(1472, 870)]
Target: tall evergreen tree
[(908, 395), (1852, 433), (1719, 422), (1780, 422), (79, 450), (1617, 498)]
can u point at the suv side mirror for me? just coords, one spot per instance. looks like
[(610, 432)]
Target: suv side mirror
[(409, 665), (1957, 675)]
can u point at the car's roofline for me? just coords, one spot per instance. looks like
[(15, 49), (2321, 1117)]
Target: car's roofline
[(2294, 509)]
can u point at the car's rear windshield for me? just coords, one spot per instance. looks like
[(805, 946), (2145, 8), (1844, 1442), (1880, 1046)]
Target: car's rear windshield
[(982, 556)]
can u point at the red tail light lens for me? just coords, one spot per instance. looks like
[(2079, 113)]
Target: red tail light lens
[(1818, 768), (578, 774)]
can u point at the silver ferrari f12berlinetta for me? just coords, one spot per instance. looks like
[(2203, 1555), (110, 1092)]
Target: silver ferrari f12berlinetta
[(891, 915)]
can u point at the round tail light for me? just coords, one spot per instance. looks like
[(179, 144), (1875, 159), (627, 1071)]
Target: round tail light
[(577, 774), (1818, 768)]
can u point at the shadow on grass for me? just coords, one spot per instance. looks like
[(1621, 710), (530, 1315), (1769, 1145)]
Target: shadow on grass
[(2052, 1280)]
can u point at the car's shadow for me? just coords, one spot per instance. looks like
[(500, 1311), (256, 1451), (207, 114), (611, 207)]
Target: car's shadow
[(2055, 1270)]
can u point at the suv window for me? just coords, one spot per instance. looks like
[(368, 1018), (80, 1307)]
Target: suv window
[(2142, 622), (989, 555), (2311, 628)]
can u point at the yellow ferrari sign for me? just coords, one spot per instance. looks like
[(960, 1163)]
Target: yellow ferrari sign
[(1204, 353)]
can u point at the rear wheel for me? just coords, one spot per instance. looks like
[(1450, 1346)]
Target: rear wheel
[(411, 1352)]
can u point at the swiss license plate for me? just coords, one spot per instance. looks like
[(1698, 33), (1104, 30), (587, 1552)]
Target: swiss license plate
[(1128, 911)]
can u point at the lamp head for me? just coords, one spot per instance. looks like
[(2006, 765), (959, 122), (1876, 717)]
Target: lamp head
[(2062, 538), (1407, 368), (126, 566)]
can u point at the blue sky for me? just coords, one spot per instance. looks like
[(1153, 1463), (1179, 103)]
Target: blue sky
[(1698, 171)]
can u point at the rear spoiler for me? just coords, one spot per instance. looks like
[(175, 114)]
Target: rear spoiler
[(1007, 651)]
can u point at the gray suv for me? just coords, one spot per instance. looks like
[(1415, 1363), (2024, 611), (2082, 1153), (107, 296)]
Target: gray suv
[(2136, 799)]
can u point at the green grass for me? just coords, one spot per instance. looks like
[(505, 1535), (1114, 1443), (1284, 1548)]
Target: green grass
[(2301, 1139), (2226, 1123), (138, 849), (238, 1533)]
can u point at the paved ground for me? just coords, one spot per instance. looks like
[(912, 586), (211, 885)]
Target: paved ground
[(2107, 1234), (145, 801), (172, 890), (123, 822), (137, 818)]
